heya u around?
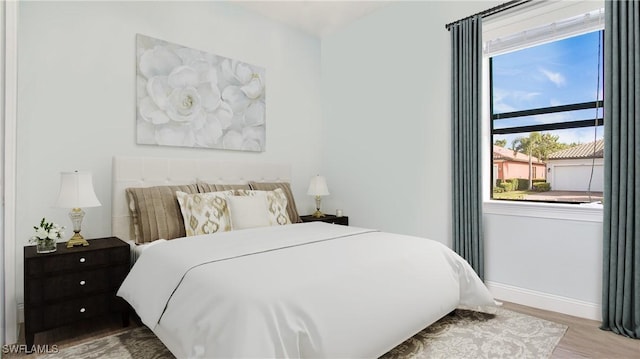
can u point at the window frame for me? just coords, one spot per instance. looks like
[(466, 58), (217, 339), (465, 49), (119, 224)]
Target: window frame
[(511, 22), (589, 105)]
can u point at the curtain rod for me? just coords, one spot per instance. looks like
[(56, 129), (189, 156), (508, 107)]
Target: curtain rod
[(491, 11)]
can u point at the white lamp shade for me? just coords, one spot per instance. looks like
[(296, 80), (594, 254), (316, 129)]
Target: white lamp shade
[(318, 187), (76, 190)]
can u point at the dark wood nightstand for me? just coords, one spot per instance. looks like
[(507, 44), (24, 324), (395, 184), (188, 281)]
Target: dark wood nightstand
[(72, 284), (329, 218)]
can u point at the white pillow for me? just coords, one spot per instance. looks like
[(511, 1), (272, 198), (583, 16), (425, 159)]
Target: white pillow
[(276, 204), (248, 211)]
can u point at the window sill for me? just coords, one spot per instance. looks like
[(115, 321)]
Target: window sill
[(563, 211)]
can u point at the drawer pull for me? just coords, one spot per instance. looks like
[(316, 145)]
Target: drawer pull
[(82, 282), (82, 310), (82, 260)]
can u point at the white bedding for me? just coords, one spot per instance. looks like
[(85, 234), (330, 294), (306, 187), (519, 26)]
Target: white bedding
[(301, 290), (137, 249)]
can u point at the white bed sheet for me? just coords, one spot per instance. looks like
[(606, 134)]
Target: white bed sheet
[(137, 249), (331, 291)]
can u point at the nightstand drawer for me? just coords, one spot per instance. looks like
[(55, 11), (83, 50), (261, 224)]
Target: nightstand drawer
[(55, 315), (46, 289), (329, 218), (75, 261)]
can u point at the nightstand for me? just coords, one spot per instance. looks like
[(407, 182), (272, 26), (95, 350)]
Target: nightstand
[(72, 284), (329, 218)]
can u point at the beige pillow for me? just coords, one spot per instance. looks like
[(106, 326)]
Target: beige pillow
[(134, 226), (292, 210), (276, 202), (156, 213), (248, 211), (205, 213), (213, 187)]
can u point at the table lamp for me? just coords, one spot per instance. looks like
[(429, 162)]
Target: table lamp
[(76, 191), (318, 188)]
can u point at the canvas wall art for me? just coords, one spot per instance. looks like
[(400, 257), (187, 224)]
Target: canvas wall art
[(191, 98)]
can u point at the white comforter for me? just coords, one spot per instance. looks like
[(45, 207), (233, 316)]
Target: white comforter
[(301, 290)]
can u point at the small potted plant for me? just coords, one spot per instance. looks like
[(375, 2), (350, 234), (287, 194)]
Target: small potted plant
[(46, 236)]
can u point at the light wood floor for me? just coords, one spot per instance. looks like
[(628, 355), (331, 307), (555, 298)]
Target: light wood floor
[(583, 339)]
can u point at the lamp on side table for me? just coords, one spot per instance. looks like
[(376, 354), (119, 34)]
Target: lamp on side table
[(76, 192), (318, 188)]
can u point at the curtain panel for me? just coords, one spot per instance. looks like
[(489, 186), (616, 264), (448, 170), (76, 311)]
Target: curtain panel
[(466, 72), (621, 224)]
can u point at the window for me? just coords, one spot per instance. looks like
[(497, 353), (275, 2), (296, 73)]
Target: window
[(546, 121)]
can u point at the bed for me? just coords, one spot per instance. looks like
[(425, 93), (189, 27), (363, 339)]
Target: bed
[(294, 290)]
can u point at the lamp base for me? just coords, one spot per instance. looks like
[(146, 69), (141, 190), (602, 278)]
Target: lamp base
[(318, 214), (77, 240)]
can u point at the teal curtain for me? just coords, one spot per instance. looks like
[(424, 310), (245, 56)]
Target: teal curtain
[(621, 279), (466, 70)]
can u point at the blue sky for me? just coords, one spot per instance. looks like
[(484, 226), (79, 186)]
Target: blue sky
[(552, 74)]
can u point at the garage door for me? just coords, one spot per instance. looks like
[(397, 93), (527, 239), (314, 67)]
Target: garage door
[(576, 178)]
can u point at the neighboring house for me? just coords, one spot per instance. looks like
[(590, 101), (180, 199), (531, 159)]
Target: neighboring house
[(509, 164), (571, 169)]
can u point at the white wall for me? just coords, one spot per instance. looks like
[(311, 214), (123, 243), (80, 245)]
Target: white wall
[(386, 156), (76, 95), (548, 263), (8, 84), (386, 110)]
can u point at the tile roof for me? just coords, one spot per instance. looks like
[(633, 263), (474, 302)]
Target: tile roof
[(585, 150), (501, 153)]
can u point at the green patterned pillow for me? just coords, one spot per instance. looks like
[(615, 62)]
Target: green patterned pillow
[(276, 204), (205, 213)]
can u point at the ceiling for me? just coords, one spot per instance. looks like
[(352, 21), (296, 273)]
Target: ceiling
[(317, 18)]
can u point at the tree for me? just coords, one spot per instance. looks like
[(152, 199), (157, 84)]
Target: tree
[(538, 145), (547, 145), (501, 143)]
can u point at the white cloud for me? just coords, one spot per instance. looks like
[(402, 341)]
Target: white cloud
[(555, 77), (582, 135), (501, 99), (524, 96), (554, 102), (500, 107), (552, 118)]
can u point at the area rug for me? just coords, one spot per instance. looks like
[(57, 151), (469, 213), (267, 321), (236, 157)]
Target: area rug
[(494, 333)]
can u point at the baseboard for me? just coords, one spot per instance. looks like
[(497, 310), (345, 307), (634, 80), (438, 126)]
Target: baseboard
[(546, 301)]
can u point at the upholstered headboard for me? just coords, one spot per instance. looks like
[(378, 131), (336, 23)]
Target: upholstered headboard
[(148, 172)]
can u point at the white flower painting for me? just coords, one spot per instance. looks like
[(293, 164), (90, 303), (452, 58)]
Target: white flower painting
[(191, 98)]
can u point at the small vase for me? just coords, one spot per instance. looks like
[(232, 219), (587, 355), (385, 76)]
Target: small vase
[(46, 246)]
